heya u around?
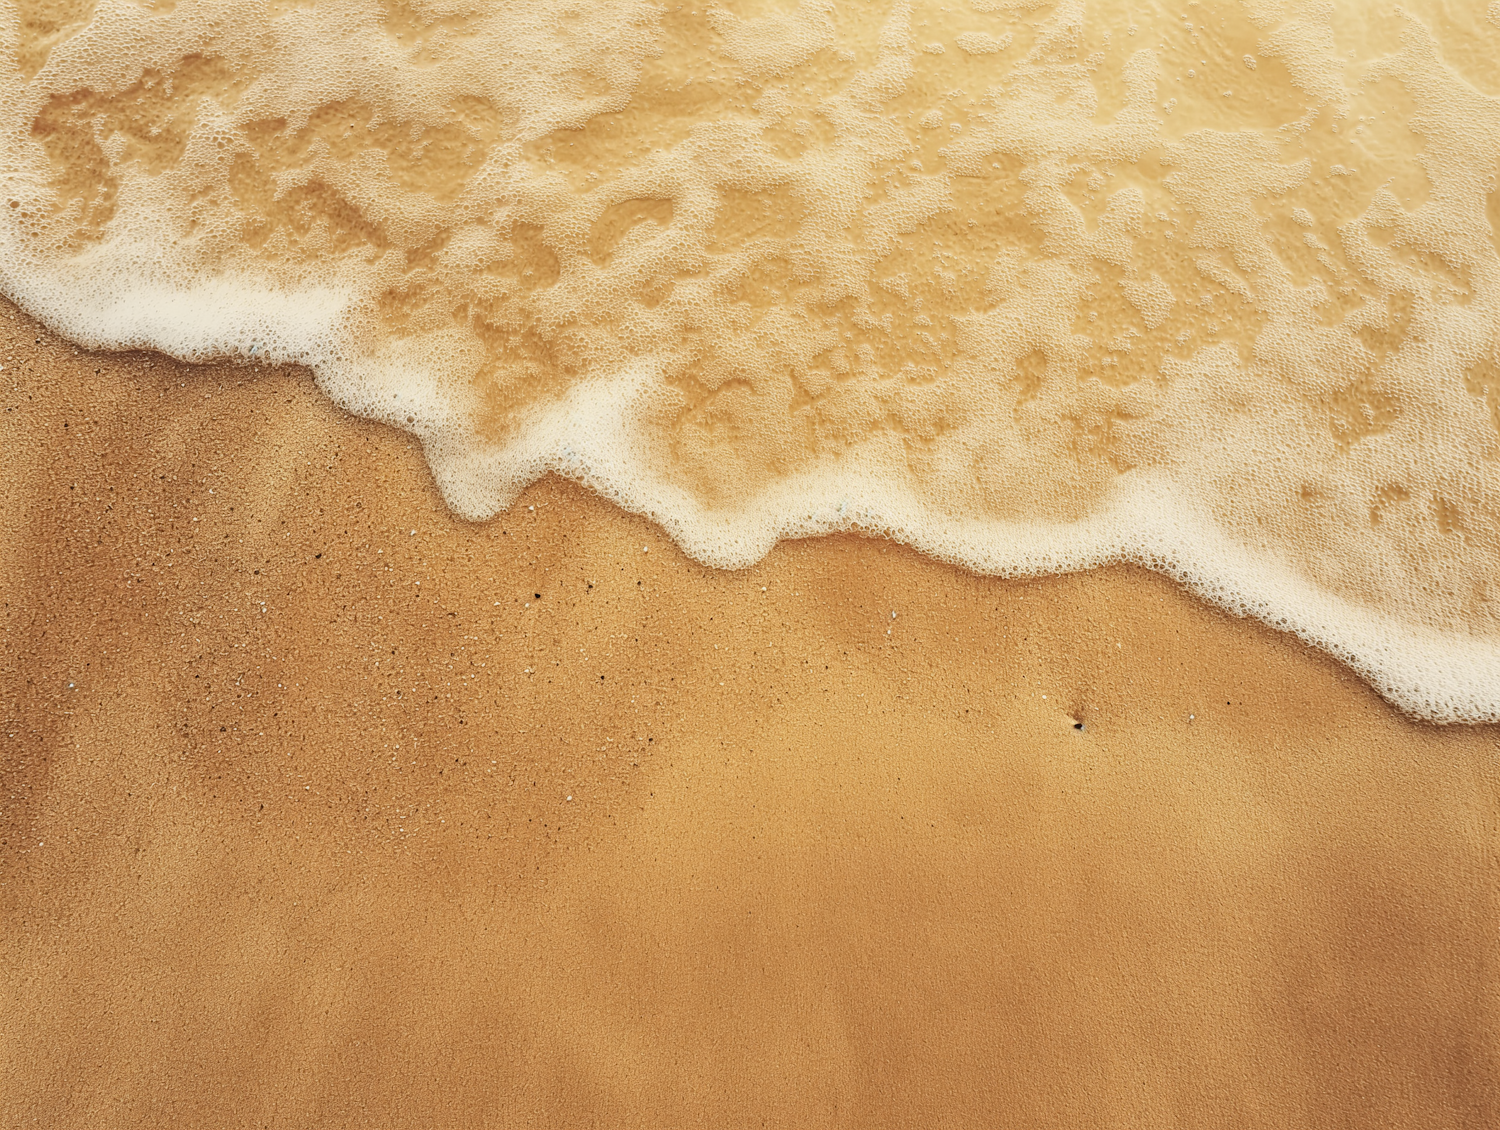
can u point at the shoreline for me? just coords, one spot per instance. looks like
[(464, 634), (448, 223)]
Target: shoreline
[(1358, 638)]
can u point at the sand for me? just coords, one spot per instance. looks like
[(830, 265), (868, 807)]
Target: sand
[(320, 807)]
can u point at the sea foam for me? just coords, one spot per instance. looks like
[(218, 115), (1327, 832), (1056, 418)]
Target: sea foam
[(1030, 286)]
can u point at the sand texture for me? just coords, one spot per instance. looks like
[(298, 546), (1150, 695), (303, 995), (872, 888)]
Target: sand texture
[(321, 807)]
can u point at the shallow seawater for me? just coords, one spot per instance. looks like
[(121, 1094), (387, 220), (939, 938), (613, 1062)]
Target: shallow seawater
[(1031, 286)]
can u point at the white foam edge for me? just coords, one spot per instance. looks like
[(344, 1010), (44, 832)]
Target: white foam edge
[(91, 300), (595, 435)]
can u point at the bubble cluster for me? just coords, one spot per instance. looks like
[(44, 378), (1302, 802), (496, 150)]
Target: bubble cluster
[(1032, 286)]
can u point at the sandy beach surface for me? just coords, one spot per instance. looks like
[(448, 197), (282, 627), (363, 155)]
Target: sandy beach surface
[(319, 807)]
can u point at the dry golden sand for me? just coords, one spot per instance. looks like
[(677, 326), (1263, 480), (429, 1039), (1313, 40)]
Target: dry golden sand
[(288, 837)]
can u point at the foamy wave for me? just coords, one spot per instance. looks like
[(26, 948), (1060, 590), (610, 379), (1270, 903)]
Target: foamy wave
[(1027, 286), (595, 436)]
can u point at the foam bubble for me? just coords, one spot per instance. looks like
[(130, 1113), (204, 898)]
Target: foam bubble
[(1219, 294)]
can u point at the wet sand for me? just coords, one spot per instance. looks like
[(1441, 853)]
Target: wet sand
[(321, 807)]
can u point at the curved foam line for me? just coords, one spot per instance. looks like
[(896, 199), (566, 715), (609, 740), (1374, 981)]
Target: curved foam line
[(594, 435), (1437, 676)]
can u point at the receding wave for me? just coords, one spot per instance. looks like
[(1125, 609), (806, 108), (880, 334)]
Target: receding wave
[(1030, 286)]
